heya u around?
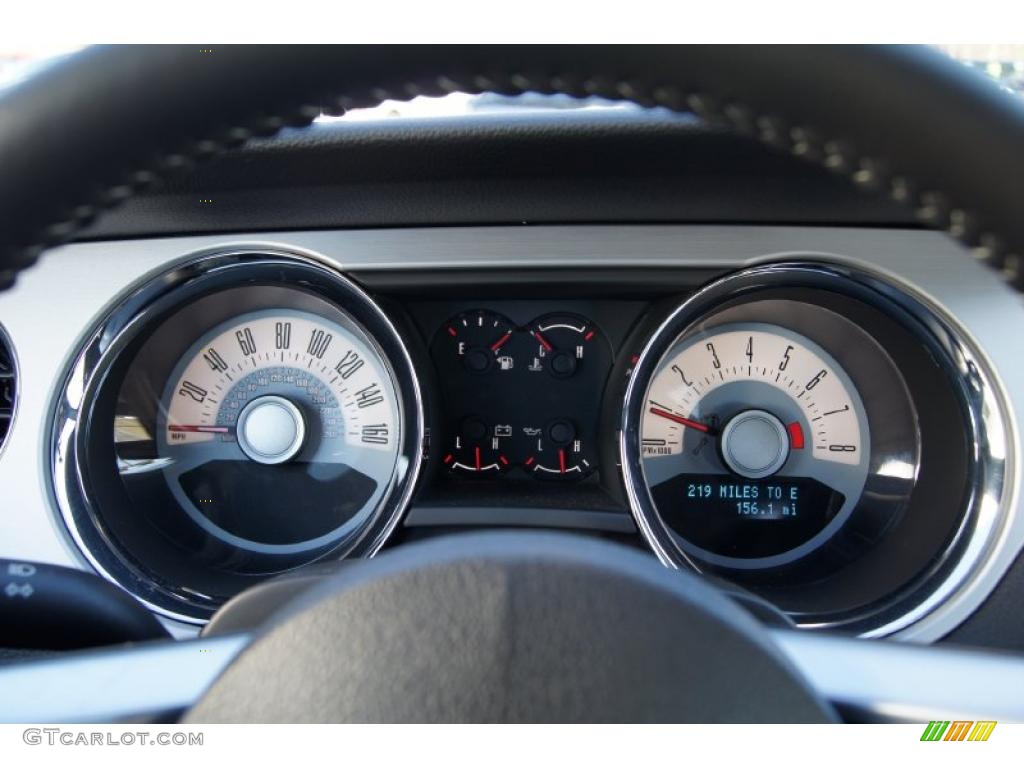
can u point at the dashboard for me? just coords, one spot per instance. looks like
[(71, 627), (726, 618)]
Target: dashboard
[(814, 418)]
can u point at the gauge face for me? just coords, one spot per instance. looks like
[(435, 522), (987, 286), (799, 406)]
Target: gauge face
[(478, 349), (797, 429), (562, 343), (245, 414), (754, 445), (279, 430), (520, 399)]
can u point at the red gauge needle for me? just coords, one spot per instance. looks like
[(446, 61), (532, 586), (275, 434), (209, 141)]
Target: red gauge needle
[(561, 460), (198, 428), (681, 420), (501, 342), (543, 342), (476, 455)]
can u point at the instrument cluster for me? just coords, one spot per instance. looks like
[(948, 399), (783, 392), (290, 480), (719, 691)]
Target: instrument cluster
[(522, 399), (806, 433)]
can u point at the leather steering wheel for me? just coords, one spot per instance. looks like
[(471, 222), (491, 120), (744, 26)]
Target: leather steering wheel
[(90, 130), (514, 626)]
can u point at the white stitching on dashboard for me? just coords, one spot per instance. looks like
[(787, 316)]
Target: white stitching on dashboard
[(930, 207)]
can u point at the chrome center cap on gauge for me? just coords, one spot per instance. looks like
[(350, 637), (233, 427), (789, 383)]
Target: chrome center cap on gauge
[(755, 444), (271, 430)]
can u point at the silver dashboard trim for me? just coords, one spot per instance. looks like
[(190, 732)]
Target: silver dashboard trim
[(148, 682), (867, 680), (883, 681), (87, 275)]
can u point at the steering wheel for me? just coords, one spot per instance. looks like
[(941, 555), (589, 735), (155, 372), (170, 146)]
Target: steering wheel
[(514, 627)]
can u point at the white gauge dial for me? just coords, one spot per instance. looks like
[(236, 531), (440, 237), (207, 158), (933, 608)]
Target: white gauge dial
[(305, 397), (788, 364), (754, 444)]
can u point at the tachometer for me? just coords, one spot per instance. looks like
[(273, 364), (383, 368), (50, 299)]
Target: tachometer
[(753, 422), (803, 431)]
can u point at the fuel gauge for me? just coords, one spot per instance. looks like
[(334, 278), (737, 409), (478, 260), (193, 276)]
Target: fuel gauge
[(480, 341)]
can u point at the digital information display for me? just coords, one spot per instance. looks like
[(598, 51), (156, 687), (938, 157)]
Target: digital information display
[(770, 499), (736, 517)]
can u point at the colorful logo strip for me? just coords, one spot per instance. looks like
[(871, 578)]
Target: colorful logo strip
[(958, 730)]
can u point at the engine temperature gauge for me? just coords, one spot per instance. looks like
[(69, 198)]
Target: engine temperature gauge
[(561, 344)]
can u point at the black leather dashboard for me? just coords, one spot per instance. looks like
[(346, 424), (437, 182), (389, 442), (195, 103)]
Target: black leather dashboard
[(539, 168)]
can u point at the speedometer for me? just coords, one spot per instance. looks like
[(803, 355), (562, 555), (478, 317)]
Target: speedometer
[(278, 428), (243, 414), (753, 422)]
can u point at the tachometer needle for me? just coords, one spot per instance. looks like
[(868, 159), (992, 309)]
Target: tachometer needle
[(198, 428), (700, 427)]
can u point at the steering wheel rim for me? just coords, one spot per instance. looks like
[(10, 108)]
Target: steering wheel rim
[(510, 627), (885, 117)]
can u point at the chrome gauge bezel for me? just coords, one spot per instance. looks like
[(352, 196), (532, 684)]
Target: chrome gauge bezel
[(136, 313), (975, 387)]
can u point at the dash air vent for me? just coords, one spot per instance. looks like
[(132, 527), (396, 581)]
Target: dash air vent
[(8, 386)]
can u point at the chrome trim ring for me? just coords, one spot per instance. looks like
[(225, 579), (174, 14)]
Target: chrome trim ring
[(133, 313), (989, 424)]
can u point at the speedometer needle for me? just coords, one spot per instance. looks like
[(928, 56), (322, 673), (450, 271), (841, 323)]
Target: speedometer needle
[(700, 427)]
